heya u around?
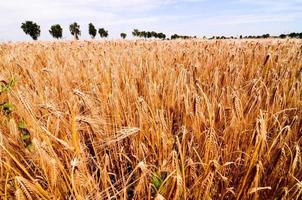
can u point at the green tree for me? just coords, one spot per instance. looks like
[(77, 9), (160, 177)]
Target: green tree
[(56, 31), (282, 36), (135, 33), (92, 30), (103, 33), (175, 36), (154, 34), (293, 35), (149, 34), (123, 35), (75, 30), (32, 29), (143, 34), (161, 36)]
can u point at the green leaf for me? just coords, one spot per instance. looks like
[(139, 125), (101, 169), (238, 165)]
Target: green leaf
[(22, 125), (2, 87), (5, 87), (12, 82), (25, 136), (30, 146), (7, 107), (156, 181)]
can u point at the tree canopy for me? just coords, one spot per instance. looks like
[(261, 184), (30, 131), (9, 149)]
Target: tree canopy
[(175, 36), (32, 29), (56, 31), (103, 33), (75, 30), (123, 35), (92, 30), (148, 34)]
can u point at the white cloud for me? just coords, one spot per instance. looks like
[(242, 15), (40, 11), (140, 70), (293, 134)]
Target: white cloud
[(248, 19), (269, 1), (124, 15), (274, 5), (13, 12), (47, 12)]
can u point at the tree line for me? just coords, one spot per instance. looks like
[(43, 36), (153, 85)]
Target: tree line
[(148, 34), (264, 36), (175, 36), (56, 31)]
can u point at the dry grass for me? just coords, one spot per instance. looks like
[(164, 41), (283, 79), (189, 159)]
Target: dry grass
[(151, 120)]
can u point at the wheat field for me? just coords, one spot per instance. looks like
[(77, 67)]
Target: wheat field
[(183, 119)]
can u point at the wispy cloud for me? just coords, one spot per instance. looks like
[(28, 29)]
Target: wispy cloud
[(102, 12), (273, 5), (170, 16), (246, 19)]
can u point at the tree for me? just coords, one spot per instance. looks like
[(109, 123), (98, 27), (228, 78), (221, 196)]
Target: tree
[(173, 37), (293, 35), (103, 33), (161, 36), (143, 34), (135, 33), (154, 34), (240, 36), (75, 30), (282, 36), (56, 31), (123, 35), (149, 34), (92, 30), (32, 29)]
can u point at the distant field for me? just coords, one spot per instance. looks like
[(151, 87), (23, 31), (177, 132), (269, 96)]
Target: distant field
[(191, 119)]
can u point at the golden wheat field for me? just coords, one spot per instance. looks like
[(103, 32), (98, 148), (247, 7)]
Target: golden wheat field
[(191, 119)]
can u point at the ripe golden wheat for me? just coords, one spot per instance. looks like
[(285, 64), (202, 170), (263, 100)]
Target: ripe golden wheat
[(158, 120)]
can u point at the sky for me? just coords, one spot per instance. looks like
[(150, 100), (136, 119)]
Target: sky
[(184, 17)]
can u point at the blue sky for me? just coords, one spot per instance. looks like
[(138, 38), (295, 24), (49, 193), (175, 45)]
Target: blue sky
[(187, 17)]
